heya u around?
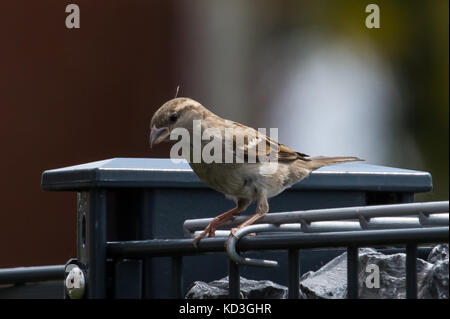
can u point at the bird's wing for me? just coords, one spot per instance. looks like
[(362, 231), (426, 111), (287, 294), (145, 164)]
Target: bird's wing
[(284, 153), (250, 142)]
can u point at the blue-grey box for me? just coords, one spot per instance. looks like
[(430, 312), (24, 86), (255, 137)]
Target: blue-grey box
[(151, 198)]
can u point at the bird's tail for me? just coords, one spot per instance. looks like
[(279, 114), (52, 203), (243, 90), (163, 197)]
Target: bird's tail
[(317, 162)]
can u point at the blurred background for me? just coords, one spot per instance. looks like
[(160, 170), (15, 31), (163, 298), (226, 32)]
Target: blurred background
[(310, 68)]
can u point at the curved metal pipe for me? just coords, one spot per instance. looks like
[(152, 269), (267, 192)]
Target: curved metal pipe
[(233, 240), (331, 214)]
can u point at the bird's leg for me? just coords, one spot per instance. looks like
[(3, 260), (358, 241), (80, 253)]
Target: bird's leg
[(261, 209), (221, 219)]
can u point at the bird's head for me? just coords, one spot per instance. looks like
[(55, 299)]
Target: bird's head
[(177, 113)]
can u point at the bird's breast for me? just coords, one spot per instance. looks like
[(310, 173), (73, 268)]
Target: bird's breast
[(244, 180)]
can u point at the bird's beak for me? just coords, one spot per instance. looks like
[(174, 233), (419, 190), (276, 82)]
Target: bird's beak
[(157, 135)]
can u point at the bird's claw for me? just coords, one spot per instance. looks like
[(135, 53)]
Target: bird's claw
[(212, 232), (195, 241), (209, 230), (233, 232)]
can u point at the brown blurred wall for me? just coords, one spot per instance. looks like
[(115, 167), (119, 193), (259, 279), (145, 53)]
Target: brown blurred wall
[(75, 96), (70, 96)]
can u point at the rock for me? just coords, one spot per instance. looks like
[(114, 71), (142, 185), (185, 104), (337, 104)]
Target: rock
[(435, 285), (203, 290), (392, 275), (439, 252), (330, 281), (250, 289)]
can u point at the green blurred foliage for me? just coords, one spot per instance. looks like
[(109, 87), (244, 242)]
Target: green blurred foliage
[(414, 40)]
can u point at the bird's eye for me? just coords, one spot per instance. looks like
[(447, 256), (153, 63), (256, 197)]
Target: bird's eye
[(173, 117)]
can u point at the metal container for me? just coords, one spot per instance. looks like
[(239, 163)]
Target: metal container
[(125, 199)]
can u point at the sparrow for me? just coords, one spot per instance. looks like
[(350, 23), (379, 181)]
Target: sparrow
[(242, 180)]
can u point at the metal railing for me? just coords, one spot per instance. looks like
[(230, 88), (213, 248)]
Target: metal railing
[(375, 226), (176, 248), (351, 227), (341, 219), (21, 275)]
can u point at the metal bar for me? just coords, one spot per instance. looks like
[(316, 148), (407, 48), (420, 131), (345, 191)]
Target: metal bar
[(434, 219), (391, 223), (352, 272), (411, 271), (374, 223), (31, 274), (333, 226), (233, 240), (169, 247), (234, 280), (315, 227), (287, 241), (177, 277), (330, 214), (370, 237), (96, 244), (293, 273), (82, 211)]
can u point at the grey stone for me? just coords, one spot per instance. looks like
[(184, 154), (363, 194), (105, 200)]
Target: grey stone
[(435, 285), (439, 252), (250, 289), (203, 290), (330, 281)]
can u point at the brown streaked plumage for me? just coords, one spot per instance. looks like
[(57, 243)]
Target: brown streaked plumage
[(243, 182)]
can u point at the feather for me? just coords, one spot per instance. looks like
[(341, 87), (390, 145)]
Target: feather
[(317, 162)]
